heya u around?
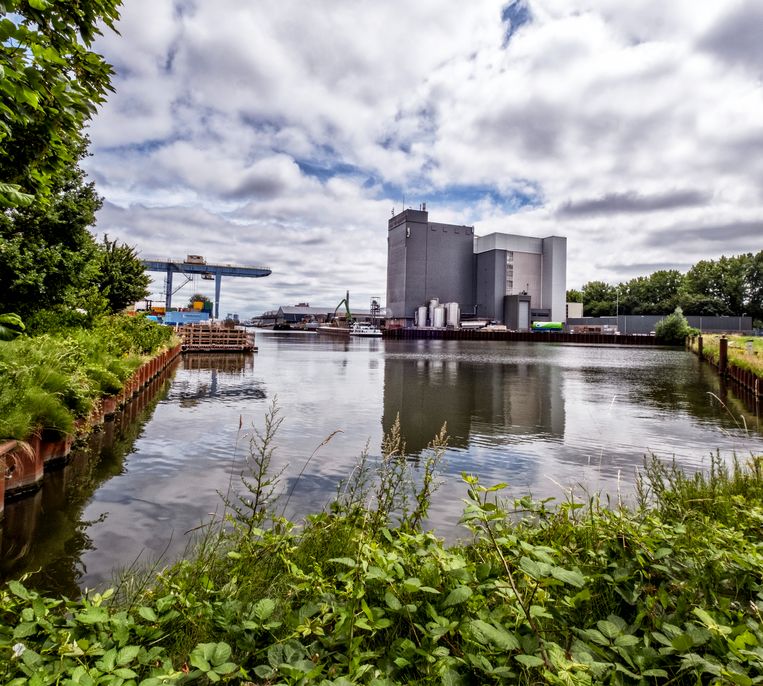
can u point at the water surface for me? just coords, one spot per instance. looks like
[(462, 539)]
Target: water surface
[(543, 417)]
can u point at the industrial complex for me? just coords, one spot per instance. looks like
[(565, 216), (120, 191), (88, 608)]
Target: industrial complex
[(443, 275)]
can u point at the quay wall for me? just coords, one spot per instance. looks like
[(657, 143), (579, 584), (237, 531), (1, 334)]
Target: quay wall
[(527, 336)]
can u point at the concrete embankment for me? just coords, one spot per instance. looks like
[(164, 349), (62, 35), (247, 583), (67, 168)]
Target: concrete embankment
[(23, 463)]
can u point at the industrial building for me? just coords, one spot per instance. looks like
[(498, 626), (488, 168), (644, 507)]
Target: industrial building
[(503, 278)]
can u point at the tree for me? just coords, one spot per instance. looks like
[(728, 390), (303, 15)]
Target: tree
[(664, 286), (702, 305), (754, 285), (51, 83), (122, 277), (724, 280), (48, 257), (574, 296), (599, 299)]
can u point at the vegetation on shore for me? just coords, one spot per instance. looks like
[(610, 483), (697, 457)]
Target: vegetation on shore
[(726, 286), (666, 591), (50, 380), (673, 329), (746, 352)]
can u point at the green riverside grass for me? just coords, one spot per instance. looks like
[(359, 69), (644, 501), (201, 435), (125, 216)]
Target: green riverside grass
[(49, 380), (737, 351), (668, 591)]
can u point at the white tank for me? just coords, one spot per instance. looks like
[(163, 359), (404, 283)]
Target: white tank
[(453, 316), (422, 316), (434, 302), (439, 317)]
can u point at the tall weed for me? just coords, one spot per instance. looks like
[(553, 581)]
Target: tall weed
[(669, 591)]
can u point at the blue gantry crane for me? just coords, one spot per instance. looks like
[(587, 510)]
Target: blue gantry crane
[(196, 264)]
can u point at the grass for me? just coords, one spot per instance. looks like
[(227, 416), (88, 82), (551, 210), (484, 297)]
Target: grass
[(49, 380), (666, 591), (737, 351)]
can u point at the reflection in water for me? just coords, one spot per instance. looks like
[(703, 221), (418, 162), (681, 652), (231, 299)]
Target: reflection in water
[(46, 533), (205, 384), (495, 400), (539, 416), (543, 416)]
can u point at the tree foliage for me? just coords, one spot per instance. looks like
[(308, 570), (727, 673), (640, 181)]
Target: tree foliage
[(122, 277), (51, 82), (598, 299), (727, 286), (50, 260), (48, 257)]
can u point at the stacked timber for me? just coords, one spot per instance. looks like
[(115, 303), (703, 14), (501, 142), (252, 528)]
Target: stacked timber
[(215, 337)]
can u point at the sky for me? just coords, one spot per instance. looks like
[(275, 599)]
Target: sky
[(284, 134)]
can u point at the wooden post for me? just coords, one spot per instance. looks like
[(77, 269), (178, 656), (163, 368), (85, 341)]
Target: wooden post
[(723, 356), (699, 345)]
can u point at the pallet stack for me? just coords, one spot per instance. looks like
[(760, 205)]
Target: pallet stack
[(213, 337)]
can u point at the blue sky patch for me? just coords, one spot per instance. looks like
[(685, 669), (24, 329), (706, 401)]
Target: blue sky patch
[(515, 15), (466, 195), (325, 172)]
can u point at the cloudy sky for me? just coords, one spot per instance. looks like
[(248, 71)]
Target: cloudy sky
[(284, 133)]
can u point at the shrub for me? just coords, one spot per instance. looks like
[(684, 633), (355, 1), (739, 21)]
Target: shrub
[(673, 329)]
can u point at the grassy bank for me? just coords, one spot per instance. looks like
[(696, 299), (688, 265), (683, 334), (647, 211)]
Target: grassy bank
[(738, 353), (48, 381), (669, 591)]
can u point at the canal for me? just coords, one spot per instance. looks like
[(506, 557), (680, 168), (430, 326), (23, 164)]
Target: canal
[(545, 418)]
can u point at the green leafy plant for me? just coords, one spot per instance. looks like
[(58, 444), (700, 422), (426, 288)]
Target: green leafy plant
[(666, 591), (673, 329), (11, 326)]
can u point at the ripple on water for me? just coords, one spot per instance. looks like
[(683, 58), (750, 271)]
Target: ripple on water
[(543, 418)]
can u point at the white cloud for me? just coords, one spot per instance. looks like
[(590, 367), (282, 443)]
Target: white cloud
[(284, 133)]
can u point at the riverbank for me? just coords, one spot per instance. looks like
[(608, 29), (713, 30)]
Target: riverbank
[(668, 590), (56, 388), (739, 358)]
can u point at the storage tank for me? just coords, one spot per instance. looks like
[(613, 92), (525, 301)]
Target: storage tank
[(439, 317), (422, 316), (434, 302), (453, 315)]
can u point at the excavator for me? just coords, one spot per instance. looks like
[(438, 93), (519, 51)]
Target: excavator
[(346, 303)]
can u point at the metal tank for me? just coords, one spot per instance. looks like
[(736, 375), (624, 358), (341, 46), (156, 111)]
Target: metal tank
[(422, 316), (453, 315), (433, 303), (439, 317)]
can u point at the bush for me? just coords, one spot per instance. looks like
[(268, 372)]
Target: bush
[(674, 329)]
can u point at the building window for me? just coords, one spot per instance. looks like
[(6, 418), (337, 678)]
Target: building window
[(509, 272)]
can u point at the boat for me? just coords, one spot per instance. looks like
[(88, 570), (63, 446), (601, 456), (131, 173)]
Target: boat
[(366, 330)]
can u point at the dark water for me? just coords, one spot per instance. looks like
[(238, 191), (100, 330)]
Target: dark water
[(544, 418)]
